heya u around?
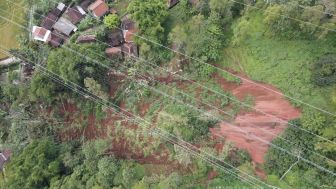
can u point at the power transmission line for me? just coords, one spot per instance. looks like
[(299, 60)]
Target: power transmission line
[(174, 137), (307, 161)]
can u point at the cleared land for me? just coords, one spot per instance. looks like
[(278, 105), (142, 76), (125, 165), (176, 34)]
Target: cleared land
[(9, 32)]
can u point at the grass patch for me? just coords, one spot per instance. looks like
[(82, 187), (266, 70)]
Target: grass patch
[(120, 6), (9, 32), (283, 63)]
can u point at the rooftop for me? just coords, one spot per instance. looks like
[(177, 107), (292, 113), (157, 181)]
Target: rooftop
[(55, 40), (115, 37), (40, 33), (75, 14), (86, 39), (64, 26), (99, 8), (4, 157), (127, 23), (130, 49), (113, 51), (129, 35), (85, 4), (49, 20)]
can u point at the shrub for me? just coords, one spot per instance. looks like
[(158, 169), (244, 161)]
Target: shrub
[(111, 21), (324, 70), (87, 23)]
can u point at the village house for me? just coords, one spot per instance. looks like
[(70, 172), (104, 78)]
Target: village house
[(64, 26), (55, 39), (130, 49), (86, 39), (75, 14), (129, 29), (85, 5), (114, 52), (115, 38), (41, 34), (52, 17), (4, 157), (127, 23), (172, 3), (99, 8)]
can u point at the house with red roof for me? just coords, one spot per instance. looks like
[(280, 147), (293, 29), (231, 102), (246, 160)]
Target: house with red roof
[(41, 34), (99, 8)]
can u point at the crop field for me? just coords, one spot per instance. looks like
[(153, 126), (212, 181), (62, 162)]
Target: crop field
[(9, 32)]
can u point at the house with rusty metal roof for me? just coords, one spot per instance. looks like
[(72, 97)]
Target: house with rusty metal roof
[(114, 52), (52, 17), (86, 39), (4, 157), (75, 14), (115, 37), (56, 39), (130, 49), (64, 26), (129, 28)]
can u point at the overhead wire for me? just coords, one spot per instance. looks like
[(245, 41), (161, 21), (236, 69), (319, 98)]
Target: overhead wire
[(307, 161)]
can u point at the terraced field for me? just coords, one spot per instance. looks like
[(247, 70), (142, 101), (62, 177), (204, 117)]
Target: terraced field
[(9, 32)]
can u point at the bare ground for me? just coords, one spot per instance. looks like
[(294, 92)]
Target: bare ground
[(252, 130)]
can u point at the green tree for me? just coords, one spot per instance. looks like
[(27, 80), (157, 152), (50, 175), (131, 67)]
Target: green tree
[(312, 17), (181, 121), (279, 19), (324, 70), (173, 181), (112, 21), (226, 9), (43, 87), (314, 121), (149, 21), (35, 167), (107, 169), (94, 87)]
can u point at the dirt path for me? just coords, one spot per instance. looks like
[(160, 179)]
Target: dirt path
[(255, 124)]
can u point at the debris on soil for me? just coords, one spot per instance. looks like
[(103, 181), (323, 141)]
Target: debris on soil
[(253, 130)]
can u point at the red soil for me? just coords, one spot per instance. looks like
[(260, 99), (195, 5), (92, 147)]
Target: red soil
[(250, 127), (121, 148), (144, 108), (212, 174)]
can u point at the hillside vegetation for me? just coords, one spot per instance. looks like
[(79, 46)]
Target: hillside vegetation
[(84, 118)]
